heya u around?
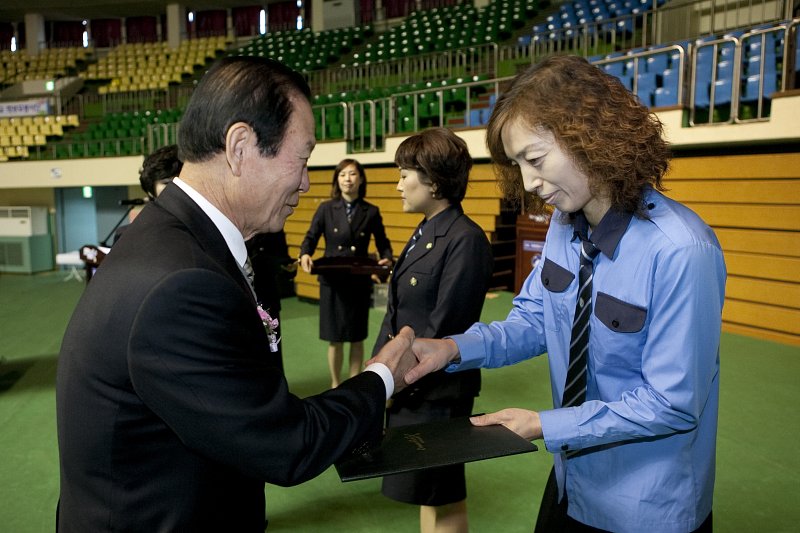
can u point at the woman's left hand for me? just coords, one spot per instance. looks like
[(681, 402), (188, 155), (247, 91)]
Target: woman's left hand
[(523, 422)]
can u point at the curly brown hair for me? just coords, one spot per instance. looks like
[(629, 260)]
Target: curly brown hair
[(608, 133)]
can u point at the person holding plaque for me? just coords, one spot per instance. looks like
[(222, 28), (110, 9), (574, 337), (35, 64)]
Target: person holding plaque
[(438, 287), (348, 222), (626, 301)]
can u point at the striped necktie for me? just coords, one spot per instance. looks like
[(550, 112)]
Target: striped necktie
[(575, 387), (415, 238), (247, 270)]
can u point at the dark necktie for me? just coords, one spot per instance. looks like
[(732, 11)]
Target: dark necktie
[(247, 270), (415, 238), (349, 208), (575, 387)]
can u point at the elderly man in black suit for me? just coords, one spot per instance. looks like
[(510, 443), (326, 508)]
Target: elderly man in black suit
[(171, 412)]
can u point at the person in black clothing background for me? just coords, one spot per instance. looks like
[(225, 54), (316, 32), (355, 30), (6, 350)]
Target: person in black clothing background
[(348, 222)]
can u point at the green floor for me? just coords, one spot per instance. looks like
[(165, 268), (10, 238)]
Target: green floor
[(757, 464)]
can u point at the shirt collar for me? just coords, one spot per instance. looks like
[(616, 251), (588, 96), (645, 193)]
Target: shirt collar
[(608, 232), (233, 237)]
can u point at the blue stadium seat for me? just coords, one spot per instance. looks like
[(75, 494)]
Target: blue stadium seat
[(657, 63), (725, 70), (750, 90), (723, 92), (670, 79), (701, 95), (664, 97), (615, 68), (645, 87), (627, 81)]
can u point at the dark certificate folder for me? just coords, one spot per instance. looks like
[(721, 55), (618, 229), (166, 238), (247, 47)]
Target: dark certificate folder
[(441, 443), (349, 265)]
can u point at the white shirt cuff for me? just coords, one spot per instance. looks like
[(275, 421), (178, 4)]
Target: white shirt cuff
[(385, 374)]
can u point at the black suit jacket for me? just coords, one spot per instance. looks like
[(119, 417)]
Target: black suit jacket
[(438, 290), (343, 239), (171, 414)]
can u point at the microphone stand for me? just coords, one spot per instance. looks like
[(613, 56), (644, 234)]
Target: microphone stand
[(104, 242)]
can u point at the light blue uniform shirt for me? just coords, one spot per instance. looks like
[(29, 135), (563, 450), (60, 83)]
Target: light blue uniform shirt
[(647, 429)]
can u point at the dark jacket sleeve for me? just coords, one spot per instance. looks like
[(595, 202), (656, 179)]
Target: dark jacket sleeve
[(382, 243), (205, 375), (315, 231)]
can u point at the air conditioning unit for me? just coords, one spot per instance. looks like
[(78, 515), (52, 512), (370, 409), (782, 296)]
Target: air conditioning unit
[(22, 221), (25, 243)]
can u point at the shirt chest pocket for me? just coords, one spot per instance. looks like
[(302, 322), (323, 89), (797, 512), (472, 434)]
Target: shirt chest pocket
[(618, 331), (555, 280)]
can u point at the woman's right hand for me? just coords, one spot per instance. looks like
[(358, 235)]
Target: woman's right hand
[(306, 263)]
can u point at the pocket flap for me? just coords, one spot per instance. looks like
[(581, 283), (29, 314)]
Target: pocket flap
[(554, 277), (618, 315)]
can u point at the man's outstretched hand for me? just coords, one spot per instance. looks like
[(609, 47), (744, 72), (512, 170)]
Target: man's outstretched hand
[(398, 356), (411, 359)]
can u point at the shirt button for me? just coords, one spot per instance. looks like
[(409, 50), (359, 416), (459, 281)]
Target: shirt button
[(615, 323), (362, 234), (339, 247), (336, 230), (352, 248)]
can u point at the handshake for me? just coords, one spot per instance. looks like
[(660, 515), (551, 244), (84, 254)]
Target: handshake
[(410, 359)]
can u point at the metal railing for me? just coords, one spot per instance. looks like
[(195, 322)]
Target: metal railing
[(480, 59), (637, 57)]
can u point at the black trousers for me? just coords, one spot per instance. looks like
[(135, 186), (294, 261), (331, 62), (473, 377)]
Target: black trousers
[(553, 514)]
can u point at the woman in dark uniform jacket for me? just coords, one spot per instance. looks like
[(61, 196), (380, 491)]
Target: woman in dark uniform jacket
[(438, 287), (348, 222)]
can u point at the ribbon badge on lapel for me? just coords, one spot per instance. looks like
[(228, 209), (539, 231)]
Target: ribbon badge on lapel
[(271, 325)]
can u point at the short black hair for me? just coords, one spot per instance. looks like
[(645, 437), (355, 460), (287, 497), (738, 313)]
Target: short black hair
[(253, 90), (442, 160), (161, 165)]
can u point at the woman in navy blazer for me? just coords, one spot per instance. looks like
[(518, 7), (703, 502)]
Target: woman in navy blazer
[(438, 287), (348, 222)]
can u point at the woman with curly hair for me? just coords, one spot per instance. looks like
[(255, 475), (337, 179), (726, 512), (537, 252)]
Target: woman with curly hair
[(627, 302)]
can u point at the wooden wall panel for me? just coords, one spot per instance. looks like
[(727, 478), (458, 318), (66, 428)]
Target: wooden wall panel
[(762, 316), (759, 241), (753, 204), (736, 191), (777, 293), (749, 166)]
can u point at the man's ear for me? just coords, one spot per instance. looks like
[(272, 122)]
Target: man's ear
[(239, 135)]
